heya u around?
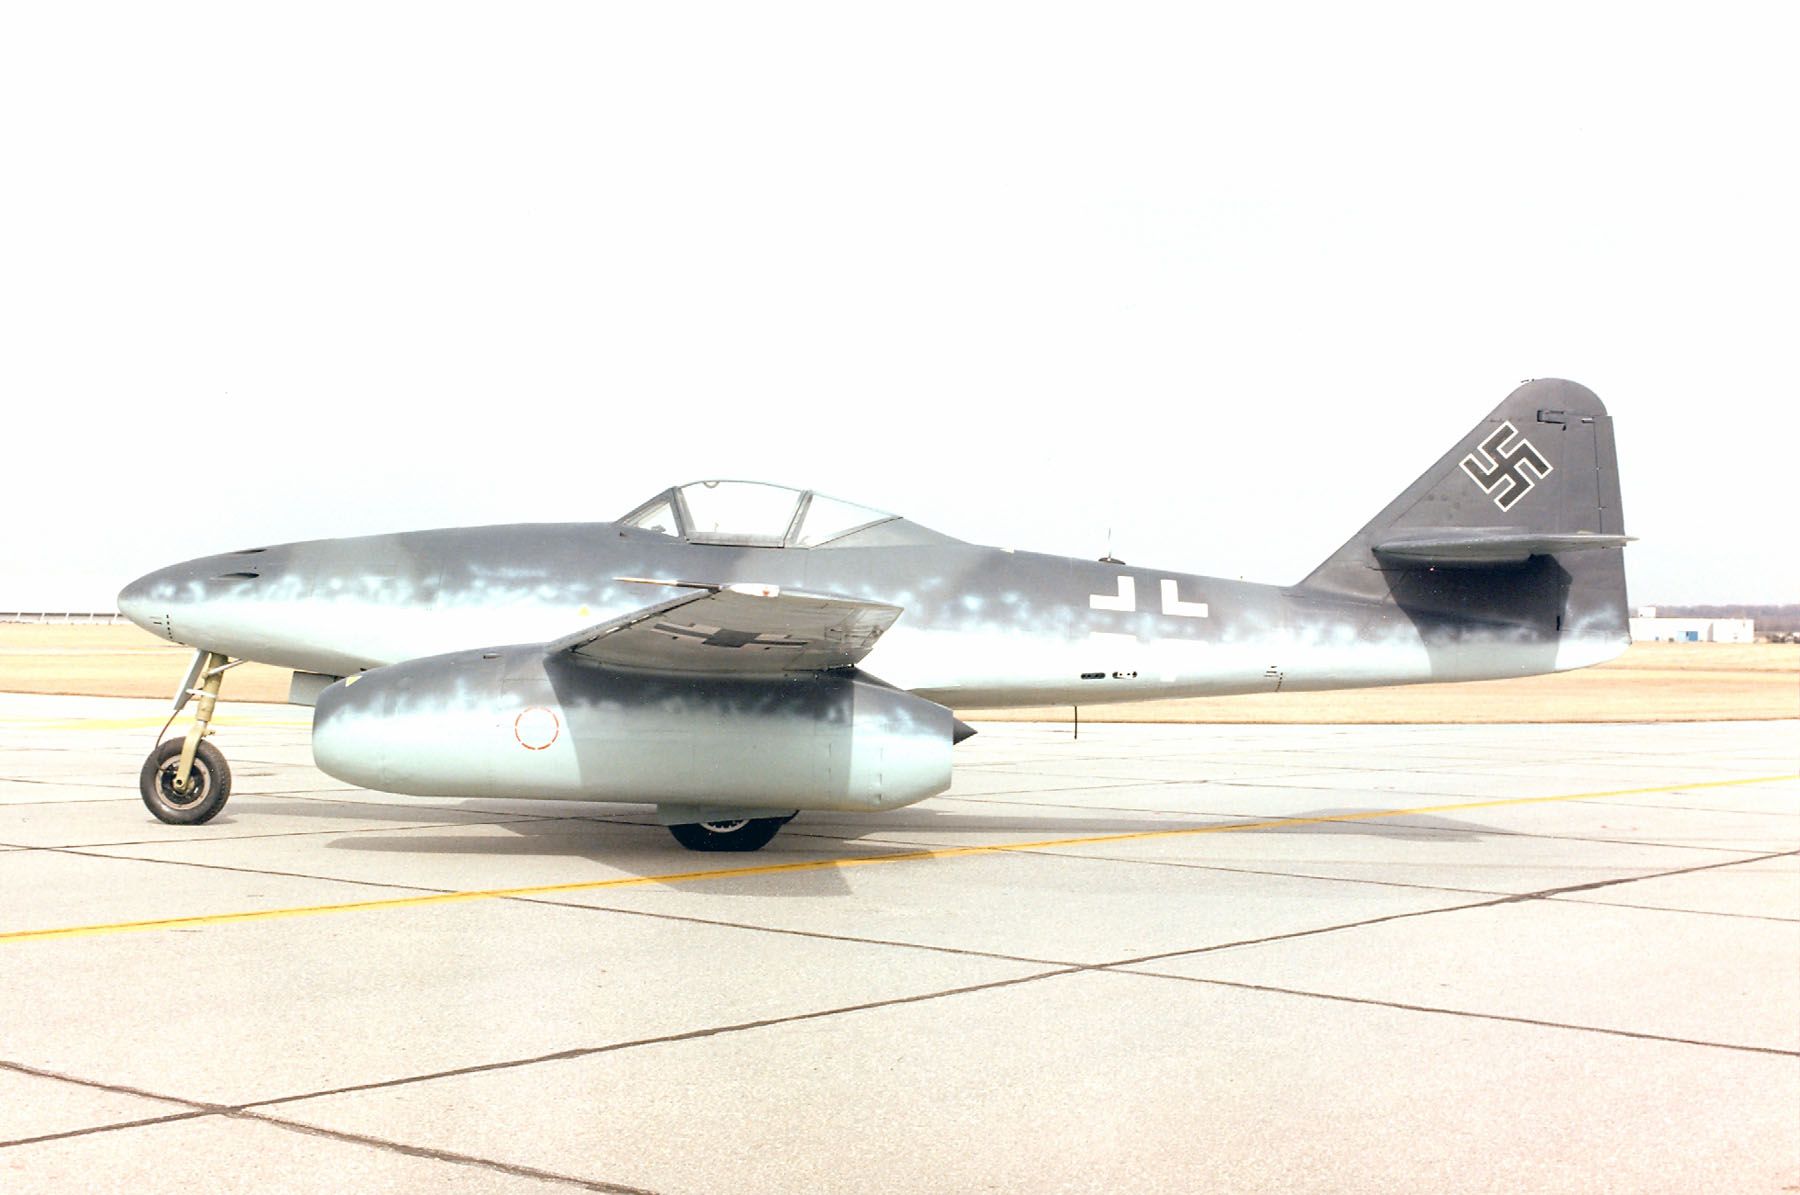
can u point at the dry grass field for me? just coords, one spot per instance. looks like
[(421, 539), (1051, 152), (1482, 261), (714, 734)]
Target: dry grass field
[(1653, 682), (115, 661)]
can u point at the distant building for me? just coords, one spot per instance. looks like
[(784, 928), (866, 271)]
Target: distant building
[(64, 617), (1647, 627)]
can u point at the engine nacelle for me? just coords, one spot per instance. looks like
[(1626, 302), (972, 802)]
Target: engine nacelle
[(515, 722)]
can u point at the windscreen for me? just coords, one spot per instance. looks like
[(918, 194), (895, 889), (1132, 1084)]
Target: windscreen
[(739, 511), (659, 517)]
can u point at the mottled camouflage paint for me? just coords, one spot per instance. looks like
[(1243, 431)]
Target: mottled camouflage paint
[(518, 721), (983, 627)]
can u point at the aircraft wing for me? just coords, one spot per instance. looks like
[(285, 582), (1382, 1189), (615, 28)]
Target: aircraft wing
[(737, 630)]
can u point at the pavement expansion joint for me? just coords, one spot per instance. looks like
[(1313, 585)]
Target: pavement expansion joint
[(1625, 904), (1409, 914), (436, 1155), (195, 1110), (817, 935), (46, 782), (94, 853), (1263, 871), (1658, 875), (48, 804), (710, 1031), (1787, 813), (111, 1127), (38, 1072), (1468, 1013), (395, 828)]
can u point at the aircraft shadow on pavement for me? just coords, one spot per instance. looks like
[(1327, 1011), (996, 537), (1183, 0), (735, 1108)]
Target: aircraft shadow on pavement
[(641, 849), (638, 848), (1418, 826), (631, 842), (606, 820)]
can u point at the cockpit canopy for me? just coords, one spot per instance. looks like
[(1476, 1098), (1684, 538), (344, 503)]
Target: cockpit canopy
[(752, 512)]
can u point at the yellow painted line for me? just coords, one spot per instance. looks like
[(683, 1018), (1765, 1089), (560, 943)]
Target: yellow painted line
[(680, 877)]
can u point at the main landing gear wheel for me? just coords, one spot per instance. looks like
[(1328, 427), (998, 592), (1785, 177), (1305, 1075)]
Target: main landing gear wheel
[(208, 786), (739, 834)]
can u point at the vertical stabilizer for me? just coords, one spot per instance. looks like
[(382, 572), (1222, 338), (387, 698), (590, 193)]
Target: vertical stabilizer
[(1519, 524)]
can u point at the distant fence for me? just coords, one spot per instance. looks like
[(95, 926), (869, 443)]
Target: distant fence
[(66, 618)]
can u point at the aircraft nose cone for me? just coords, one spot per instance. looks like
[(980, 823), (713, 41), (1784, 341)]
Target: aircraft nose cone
[(211, 601), (133, 598), (148, 600)]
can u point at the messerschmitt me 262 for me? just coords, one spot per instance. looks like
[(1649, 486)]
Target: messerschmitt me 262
[(734, 652)]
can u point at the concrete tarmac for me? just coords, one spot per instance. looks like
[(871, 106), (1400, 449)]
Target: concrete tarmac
[(1159, 958)]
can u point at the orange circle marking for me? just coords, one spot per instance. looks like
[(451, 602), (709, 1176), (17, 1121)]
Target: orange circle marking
[(536, 728)]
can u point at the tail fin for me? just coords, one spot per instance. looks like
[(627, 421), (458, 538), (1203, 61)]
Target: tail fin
[(1519, 524)]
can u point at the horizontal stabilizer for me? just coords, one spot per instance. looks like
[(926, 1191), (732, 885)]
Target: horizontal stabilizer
[(1485, 546)]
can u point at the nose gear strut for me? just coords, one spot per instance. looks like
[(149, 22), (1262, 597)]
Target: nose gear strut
[(186, 781)]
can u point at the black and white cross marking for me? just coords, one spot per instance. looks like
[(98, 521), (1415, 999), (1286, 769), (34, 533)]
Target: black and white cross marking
[(723, 637), (1508, 466)]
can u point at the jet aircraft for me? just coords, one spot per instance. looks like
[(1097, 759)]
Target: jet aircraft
[(735, 652)]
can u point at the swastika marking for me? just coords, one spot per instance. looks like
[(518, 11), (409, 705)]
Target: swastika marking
[(1508, 466)]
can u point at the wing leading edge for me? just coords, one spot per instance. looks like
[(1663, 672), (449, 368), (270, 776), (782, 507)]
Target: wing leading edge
[(736, 630)]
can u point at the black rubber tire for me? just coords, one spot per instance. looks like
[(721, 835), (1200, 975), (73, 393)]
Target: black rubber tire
[(202, 804), (749, 834)]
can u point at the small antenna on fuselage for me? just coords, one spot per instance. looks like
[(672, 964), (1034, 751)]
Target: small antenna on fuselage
[(1109, 558)]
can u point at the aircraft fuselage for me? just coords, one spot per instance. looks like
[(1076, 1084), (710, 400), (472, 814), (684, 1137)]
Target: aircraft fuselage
[(983, 627)]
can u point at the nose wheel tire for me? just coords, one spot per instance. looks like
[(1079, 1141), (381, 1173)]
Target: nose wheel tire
[(741, 834), (209, 784)]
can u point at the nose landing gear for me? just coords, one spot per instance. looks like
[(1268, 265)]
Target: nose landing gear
[(186, 781)]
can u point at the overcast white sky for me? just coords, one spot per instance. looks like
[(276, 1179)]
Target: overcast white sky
[(1220, 279)]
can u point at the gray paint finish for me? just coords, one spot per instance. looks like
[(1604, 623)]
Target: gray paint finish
[(555, 726), (1515, 568)]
